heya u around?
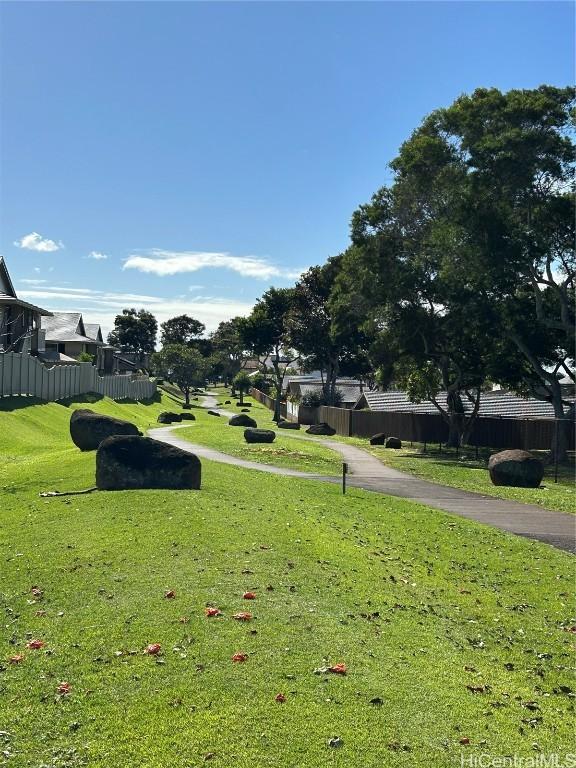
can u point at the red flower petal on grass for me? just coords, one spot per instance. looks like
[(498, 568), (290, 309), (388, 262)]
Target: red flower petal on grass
[(35, 644), (242, 616), (249, 596), (170, 594), (465, 740), (64, 688), (212, 611), (280, 698), (16, 659), (153, 649), (240, 657), (338, 669)]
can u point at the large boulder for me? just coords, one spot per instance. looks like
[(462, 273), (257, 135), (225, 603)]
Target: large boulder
[(227, 402), (88, 429), (127, 462), (242, 420), (288, 425), (393, 442), (187, 417), (167, 417), (320, 429), (378, 439), (252, 435), (519, 469)]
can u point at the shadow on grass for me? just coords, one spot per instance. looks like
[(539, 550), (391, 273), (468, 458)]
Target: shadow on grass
[(15, 402)]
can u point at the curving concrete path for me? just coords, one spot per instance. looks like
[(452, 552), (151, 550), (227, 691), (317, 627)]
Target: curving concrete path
[(367, 472)]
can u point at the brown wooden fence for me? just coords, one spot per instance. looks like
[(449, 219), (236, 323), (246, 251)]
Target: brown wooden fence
[(267, 401), (489, 432)]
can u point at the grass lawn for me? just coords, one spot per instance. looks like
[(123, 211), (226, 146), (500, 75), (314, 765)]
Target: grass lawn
[(285, 451), (467, 472), (451, 632), (464, 471)]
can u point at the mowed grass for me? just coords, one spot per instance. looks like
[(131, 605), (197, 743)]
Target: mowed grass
[(464, 471), (286, 450), (451, 631)]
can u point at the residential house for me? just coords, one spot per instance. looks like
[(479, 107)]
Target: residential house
[(20, 322), (497, 403), (67, 338)]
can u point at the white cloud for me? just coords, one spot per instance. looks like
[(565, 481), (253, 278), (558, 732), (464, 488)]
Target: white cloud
[(102, 306), (35, 242), (25, 281), (97, 256), (164, 263)]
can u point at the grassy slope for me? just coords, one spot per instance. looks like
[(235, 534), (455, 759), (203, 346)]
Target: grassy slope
[(464, 471), (285, 451), (405, 596)]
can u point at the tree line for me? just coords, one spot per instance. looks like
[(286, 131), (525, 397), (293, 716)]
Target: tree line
[(460, 273)]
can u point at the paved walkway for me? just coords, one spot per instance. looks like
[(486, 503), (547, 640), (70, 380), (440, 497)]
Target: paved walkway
[(366, 471)]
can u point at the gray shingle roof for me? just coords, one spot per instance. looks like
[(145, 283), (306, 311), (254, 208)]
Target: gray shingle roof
[(93, 332), (494, 404), (350, 388), (64, 326)]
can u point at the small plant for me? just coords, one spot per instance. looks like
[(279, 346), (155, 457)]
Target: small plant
[(85, 357)]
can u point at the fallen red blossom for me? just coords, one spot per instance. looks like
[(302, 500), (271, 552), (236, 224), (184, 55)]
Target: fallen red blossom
[(16, 659), (35, 644), (240, 657), (465, 740), (153, 649), (249, 596), (242, 616), (212, 611), (170, 594), (280, 698), (338, 669), (64, 688)]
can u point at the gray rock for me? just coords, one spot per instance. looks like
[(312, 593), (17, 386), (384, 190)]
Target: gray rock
[(378, 439), (393, 442), (88, 429), (188, 417), (167, 417), (515, 468), (126, 462), (288, 425), (320, 429), (242, 420), (252, 435)]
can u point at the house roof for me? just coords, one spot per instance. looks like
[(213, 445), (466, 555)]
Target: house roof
[(65, 326), (494, 404), (57, 358), (350, 388), (9, 296), (93, 331)]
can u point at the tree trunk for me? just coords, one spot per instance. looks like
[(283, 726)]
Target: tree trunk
[(564, 424), (187, 396), (456, 419), (241, 397), (277, 399)]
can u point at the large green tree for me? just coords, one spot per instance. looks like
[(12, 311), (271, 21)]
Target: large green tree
[(229, 352), (266, 334), (183, 365), (135, 331), (182, 329)]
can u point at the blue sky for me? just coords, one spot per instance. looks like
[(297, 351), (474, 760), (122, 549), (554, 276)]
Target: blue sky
[(185, 156)]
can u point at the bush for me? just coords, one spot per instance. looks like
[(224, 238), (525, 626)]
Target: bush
[(317, 397)]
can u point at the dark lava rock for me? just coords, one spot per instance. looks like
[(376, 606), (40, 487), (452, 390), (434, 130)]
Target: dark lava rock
[(393, 442), (130, 462), (88, 429), (188, 417), (167, 417), (320, 429), (378, 439), (213, 413), (252, 435), (288, 425), (516, 468), (242, 420)]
